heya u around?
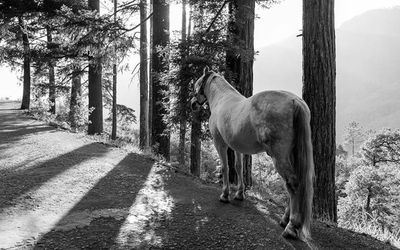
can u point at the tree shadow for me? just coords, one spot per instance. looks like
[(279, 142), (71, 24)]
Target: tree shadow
[(142, 206), (10, 135), (95, 221), (14, 182), (201, 221), (15, 126)]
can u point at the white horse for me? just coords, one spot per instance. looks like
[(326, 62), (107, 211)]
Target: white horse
[(277, 122)]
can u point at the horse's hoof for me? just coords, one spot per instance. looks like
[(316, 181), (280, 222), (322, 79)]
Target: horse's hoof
[(290, 232), (283, 223), (239, 196), (223, 198)]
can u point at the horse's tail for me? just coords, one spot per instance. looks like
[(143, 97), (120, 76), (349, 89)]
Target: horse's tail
[(304, 164)]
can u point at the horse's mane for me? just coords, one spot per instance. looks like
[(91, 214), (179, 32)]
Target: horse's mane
[(205, 80)]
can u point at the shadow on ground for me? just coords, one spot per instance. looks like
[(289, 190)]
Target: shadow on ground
[(15, 183), (95, 221), (141, 205), (192, 219), (15, 125)]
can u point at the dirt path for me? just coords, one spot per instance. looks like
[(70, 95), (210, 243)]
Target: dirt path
[(62, 191)]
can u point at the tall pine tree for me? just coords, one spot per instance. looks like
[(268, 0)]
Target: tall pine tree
[(95, 87), (52, 81), (160, 134), (319, 74), (143, 74), (183, 91), (26, 96)]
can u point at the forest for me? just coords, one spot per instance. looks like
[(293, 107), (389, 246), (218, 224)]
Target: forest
[(69, 55)]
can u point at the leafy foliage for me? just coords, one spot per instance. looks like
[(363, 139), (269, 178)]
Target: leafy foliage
[(267, 183), (382, 148), (372, 194), (368, 186)]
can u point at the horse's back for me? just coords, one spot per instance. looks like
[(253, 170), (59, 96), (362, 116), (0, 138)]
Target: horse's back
[(277, 98)]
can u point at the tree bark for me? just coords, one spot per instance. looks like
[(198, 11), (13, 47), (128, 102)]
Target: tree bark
[(114, 96), (150, 79), (114, 105), (144, 99), (368, 203), (195, 145), (319, 73), (195, 141), (240, 67), (95, 87), (52, 81), (76, 92), (160, 133), (26, 96), (183, 93)]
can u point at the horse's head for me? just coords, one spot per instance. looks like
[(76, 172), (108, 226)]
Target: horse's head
[(199, 97)]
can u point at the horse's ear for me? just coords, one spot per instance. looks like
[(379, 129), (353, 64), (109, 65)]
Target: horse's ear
[(206, 70)]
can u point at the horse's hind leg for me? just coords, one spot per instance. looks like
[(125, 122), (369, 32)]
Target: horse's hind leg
[(293, 227), (222, 149), (239, 171), (285, 218), (291, 218)]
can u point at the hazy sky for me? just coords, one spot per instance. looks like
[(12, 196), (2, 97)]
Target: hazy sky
[(279, 22), (285, 19)]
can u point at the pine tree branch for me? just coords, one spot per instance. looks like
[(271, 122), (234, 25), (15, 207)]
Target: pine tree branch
[(216, 16), (143, 21)]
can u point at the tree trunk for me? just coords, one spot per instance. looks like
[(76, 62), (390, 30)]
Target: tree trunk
[(160, 133), (240, 67), (95, 87), (195, 145), (368, 203), (76, 92), (52, 81), (114, 96), (183, 93), (319, 73), (26, 96), (114, 105), (144, 94), (150, 79), (52, 90)]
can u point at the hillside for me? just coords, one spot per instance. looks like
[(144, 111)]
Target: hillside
[(368, 75)]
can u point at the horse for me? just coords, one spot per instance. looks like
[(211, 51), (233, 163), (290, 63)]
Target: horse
[(275, 122)]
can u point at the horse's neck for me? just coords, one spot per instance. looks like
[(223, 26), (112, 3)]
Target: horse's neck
[(219, 89)]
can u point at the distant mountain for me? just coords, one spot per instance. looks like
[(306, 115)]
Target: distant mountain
[(368, 69)]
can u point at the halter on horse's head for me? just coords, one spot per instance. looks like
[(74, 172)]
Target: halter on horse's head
[(199, 97)]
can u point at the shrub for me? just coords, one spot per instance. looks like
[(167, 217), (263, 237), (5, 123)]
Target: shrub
[(372, 198)]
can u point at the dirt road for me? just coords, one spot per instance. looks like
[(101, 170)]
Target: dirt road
[(60, 190)]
